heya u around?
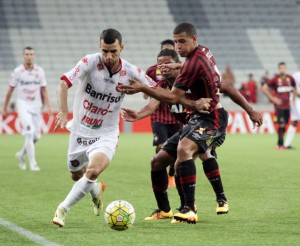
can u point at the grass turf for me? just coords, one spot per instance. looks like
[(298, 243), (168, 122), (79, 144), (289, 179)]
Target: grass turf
[(261, 183)]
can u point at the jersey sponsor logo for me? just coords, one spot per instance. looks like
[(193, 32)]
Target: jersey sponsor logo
[(86, 142), (101, 96), (73, 76), (22, 82), (177, 108), (89, 106), (283, 89), (209, 54), (93, 123), (108, 81)]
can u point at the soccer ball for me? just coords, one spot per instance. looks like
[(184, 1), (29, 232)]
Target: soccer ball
[(119, 215)]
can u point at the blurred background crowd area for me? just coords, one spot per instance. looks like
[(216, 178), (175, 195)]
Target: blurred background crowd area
[(248, 38)]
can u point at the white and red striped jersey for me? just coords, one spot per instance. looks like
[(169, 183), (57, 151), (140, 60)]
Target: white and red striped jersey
[(28, 84), (97, 100)]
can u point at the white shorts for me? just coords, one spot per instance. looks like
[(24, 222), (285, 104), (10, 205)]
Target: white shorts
[(295, 110), (80, 149), (30, 121)]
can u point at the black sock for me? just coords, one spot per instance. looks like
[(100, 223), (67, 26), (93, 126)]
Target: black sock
[(280, 133), (212, 172), (179, 188), (171, 170), (188, 182), (159, 186)]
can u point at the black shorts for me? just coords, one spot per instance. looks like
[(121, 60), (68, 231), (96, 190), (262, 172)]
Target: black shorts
[(204, 130), (162, 132), (282, 116)]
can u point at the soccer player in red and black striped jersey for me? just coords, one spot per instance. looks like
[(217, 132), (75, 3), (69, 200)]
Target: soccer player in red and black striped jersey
[(164, 124), (282, 85), (206, 128)]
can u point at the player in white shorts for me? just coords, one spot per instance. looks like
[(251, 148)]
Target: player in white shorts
[(295, 114), (95, 124), (30, 83)]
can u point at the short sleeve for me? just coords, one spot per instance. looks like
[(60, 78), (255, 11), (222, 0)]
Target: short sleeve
[(140, 75), (78, 72), (14, 79)]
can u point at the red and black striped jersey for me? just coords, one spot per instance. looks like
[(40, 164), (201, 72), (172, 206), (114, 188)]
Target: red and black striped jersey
[(200, 76), (163, 113), (282, 87)]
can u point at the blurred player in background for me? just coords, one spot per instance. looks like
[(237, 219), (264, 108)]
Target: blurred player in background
[(282, 85), (95, 124), (30, 83), (199, 76), (163, 123), (295, 114)]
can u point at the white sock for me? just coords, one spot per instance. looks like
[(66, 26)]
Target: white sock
[(30, 149), (78, 191), (95, 191), (290, 135)]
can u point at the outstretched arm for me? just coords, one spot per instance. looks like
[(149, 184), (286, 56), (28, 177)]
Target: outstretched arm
[(6, 101), (266, 91), (174, 96), (237, 97), (62, 95), (132, 115)]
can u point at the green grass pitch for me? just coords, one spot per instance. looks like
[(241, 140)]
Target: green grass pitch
[(261, 183)]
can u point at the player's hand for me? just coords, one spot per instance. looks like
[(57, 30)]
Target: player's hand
[(202, 105), (129, 115), (4, 113), (50, 111), (169, 66), (134, 87), (61, 120), (256, 118), (276, 101)]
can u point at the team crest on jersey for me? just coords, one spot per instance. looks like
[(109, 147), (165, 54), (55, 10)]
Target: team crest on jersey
[(100, 66), (85, 60), (122, 72), (139, 70)]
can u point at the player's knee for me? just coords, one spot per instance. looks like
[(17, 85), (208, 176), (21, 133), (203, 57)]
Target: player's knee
[(184, 153), (76, 176), (155, 164), (92, 173)]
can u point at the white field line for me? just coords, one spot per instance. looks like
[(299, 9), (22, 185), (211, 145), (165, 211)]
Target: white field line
[(28, 234)]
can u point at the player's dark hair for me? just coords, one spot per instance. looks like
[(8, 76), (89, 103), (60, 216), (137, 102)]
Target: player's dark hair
[(281, 63), (188, 28), (167, 41), (109, 36), (27, 48), (169, 52)]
